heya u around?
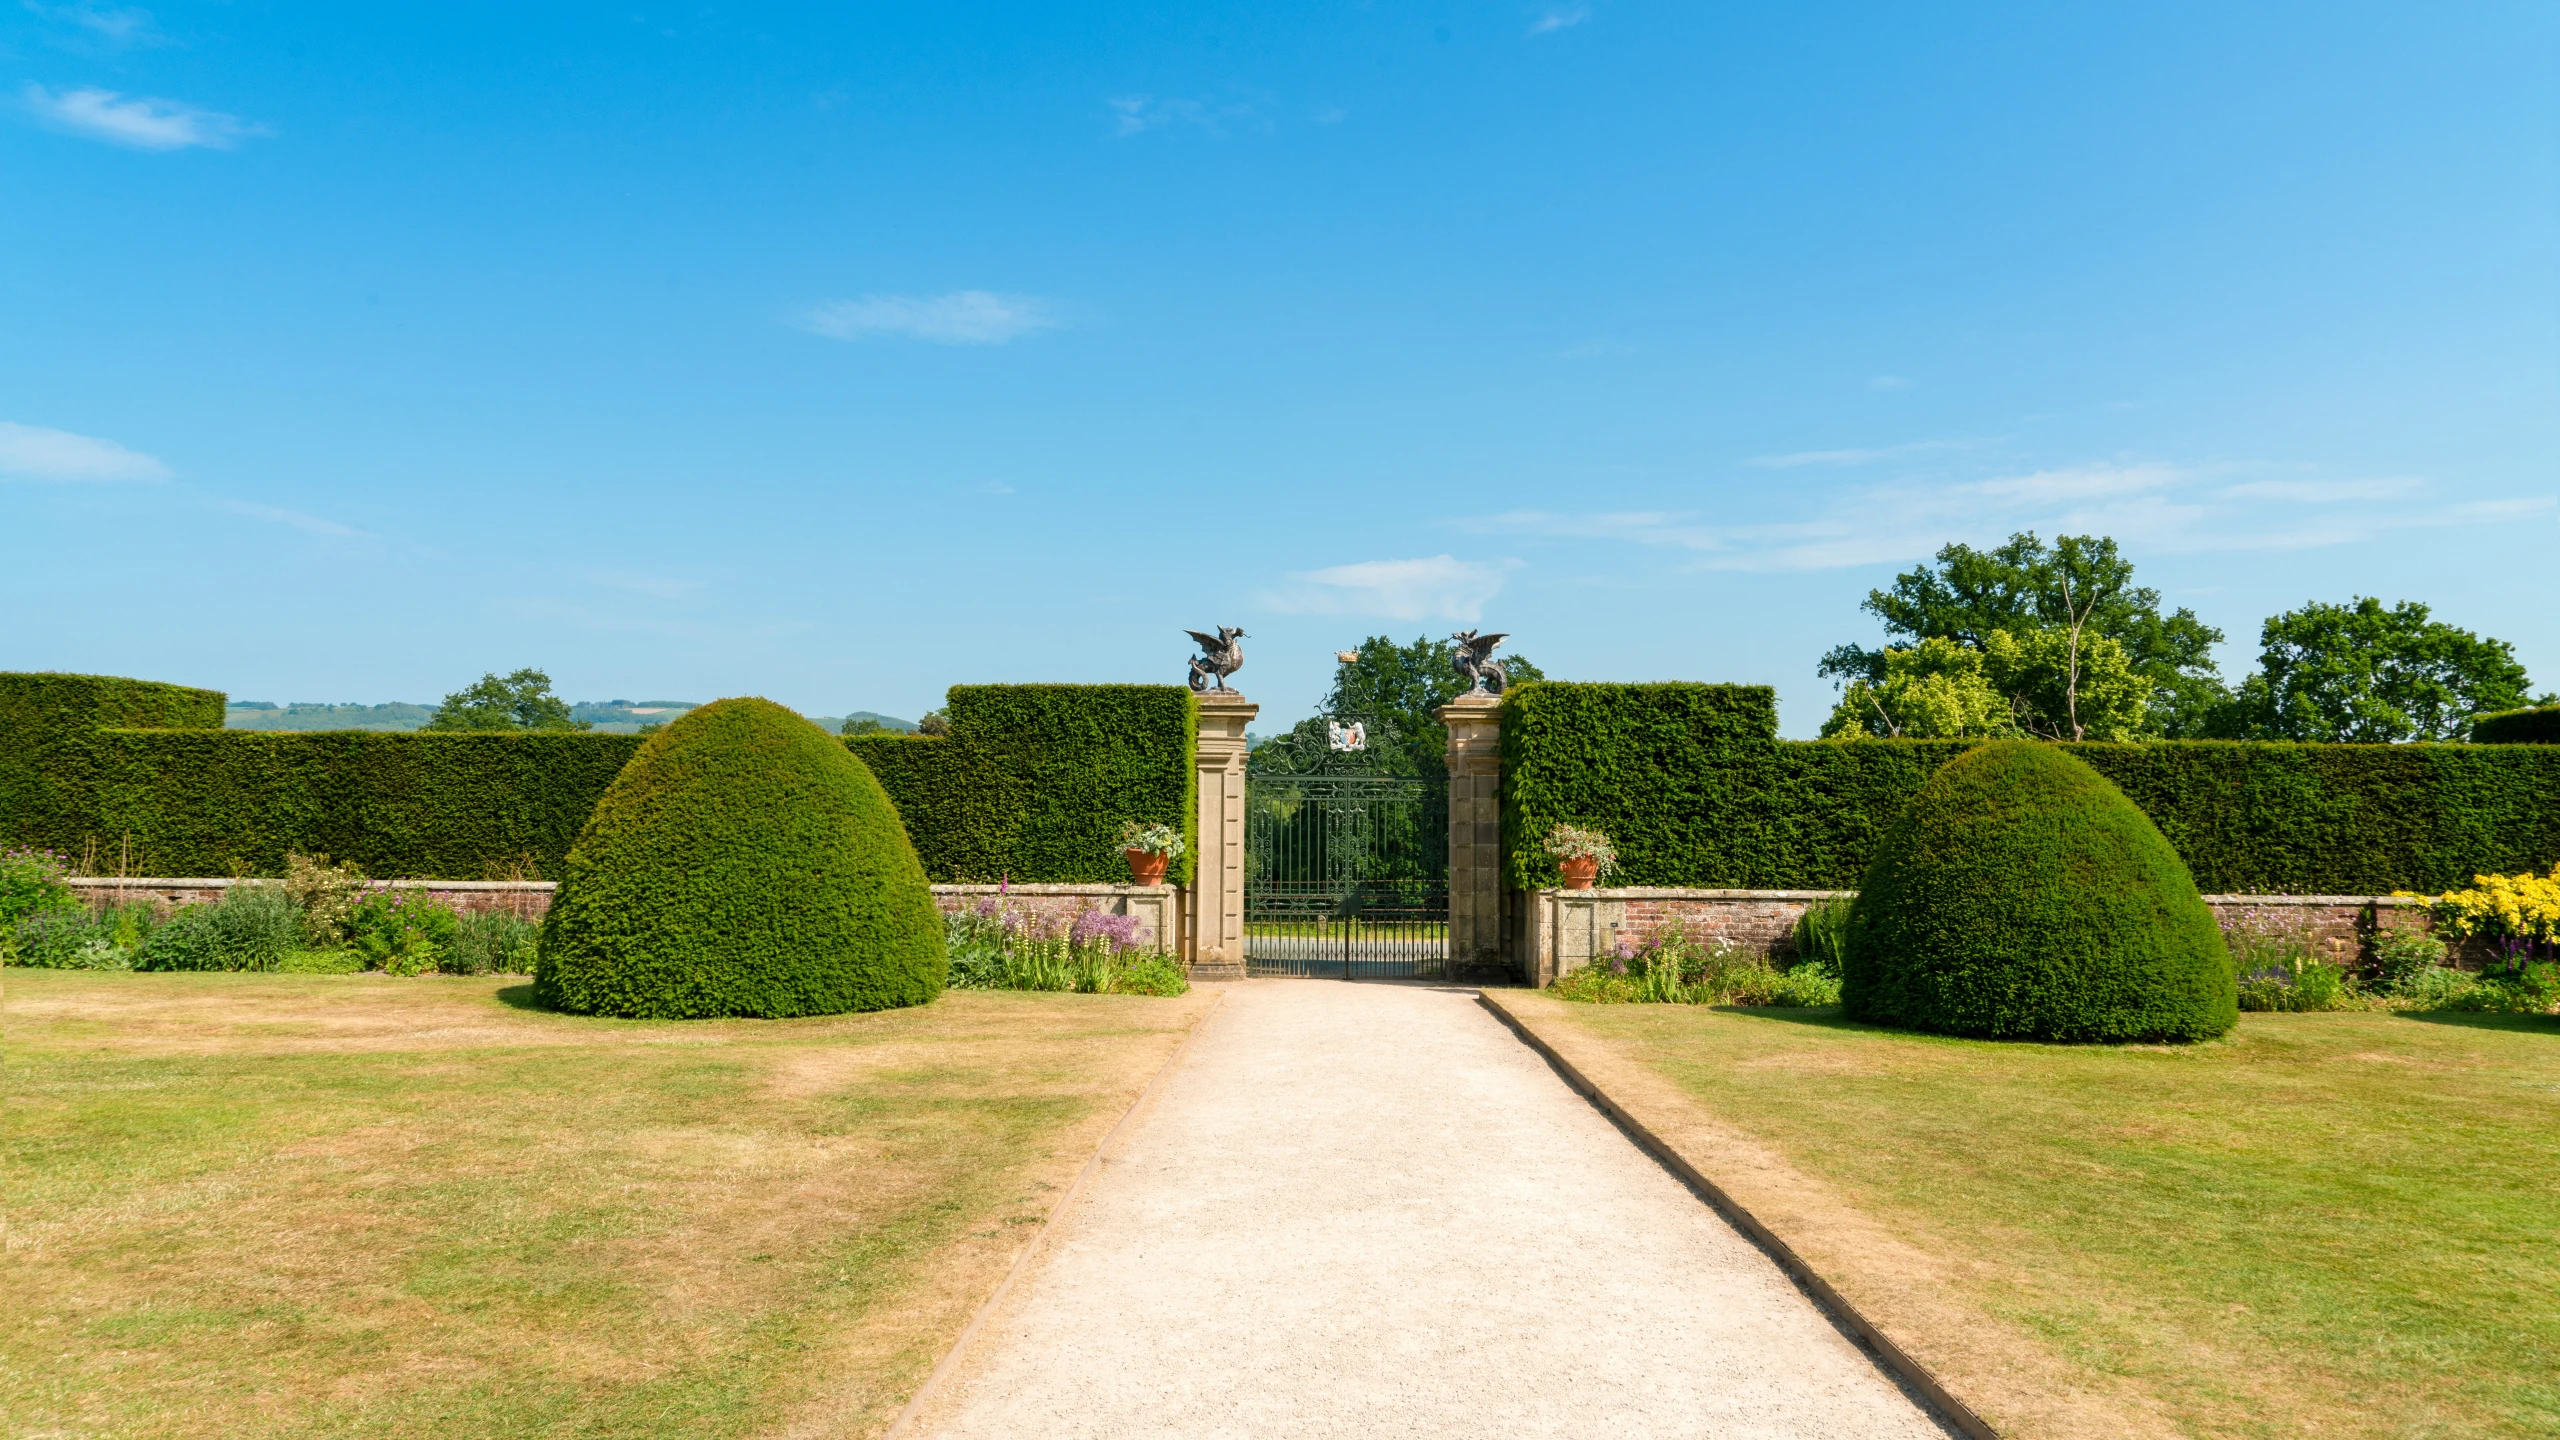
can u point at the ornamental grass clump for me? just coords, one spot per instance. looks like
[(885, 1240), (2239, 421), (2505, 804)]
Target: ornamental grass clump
[(2021, 896), (743, 863)]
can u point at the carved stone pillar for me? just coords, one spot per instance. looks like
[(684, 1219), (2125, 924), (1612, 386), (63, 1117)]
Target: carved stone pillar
[(1474, 722), (1215, 945)]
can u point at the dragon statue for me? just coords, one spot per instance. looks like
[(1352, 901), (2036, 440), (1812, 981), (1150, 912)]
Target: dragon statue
[(1220, 656), (1476, 663)]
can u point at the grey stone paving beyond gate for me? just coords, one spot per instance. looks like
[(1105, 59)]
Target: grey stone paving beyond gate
[(1366, 1209)]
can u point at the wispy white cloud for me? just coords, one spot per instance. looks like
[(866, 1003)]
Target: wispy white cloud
[(1559, 17), (1138, 114), (964, 317), (1888, 382), (1328, 114), (2173, 507), (32, 452), (307, 524), (2319, 492), (665, 587), (1860, 457), (117, 27), (1441, 586), (138, 122)]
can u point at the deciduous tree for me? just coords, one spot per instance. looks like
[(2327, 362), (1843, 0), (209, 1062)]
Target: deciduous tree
[(521, 701), (2082, 585), (2362, 674)]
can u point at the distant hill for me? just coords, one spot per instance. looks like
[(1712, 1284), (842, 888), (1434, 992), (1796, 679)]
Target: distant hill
[(627, 717), (610, 717), (834, 724), (314, 715)]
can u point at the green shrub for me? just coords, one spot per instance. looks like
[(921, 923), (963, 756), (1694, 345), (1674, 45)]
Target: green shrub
[(1696, 789), (1808, 984), (2306, 986), (744, 863), (252, 927), (2539, 725), (2438, 989), (491, 942), (2402, 957), (80, 939), (2021, 896), (1150, 974), (402, 932), (31, 881), (322, 962), (2532, 989), (327, 895), (1822, 932)]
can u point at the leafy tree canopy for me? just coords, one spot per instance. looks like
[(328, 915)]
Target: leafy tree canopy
[(2358, 673), (1940, 689), (1393, 689), (521, 701), (2025, 587), (1935, 690)]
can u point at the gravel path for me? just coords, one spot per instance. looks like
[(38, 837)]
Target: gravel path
[(1363, 1210)]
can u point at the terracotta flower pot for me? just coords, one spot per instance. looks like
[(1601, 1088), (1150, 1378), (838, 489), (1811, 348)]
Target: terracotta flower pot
[(1579, 871), (1145, 867)]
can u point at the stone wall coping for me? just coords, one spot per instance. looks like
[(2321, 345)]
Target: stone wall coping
[(1656, 892), (1668, 892), (1098, 887), (199, 882)]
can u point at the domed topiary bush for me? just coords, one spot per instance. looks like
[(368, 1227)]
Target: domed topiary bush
[(2021, 896), (743, 863)]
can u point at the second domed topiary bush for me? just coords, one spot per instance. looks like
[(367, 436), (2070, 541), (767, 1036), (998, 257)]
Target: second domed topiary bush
[(2021, 896), (743, 863)]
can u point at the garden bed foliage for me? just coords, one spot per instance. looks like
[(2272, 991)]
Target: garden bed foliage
[(1673, 967), (997, 947)]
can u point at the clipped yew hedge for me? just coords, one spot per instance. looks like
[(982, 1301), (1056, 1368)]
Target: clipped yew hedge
[(743, 863), (1033, 782), (2021, 896), (1693, 784), (2539, 725)]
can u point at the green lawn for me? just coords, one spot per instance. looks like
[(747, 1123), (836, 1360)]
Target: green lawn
[(356, 1206), (2329, 1224)]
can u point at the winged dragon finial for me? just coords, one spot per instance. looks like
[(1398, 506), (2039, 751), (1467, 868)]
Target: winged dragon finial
[(1476, 664), (1220, 656)]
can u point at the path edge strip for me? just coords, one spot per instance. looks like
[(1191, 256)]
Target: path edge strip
[(1894, 1358), (950, 1361)]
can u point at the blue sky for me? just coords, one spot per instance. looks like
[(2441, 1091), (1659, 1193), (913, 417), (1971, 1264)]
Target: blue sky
[(843, 354)]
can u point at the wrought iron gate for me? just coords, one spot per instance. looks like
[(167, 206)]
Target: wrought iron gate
[(1346, 875)]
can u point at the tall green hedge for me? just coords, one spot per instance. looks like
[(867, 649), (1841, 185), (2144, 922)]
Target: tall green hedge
[(2537, 726), (1033, 782), (1693, 784)]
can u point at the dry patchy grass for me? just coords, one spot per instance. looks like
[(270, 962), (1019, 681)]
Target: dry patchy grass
[(352, 1206), (2333, 1225)]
